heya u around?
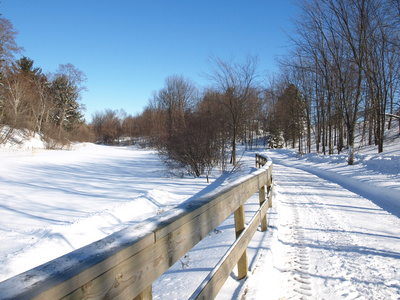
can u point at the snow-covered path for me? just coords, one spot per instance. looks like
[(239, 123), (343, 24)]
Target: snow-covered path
[(330, 242)]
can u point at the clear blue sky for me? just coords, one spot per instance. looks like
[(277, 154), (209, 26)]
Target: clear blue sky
[(127, 48)]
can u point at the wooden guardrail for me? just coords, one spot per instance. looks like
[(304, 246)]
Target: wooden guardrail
[(125, 264)]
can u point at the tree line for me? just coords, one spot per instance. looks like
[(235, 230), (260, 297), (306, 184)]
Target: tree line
[(344, 64), (342, 70), (38, 103), (196, 130)]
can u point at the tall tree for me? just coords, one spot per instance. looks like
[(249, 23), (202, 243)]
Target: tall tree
[(15, 98), (292, 115), (67, 87), (176, 98), (66, 112), (8, 48), (235, 83), (8, 44), (381, 63), (44, 104), (36, 94), (349, 45)]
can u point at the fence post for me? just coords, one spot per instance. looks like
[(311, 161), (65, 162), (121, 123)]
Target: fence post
[(269, 192), (261, 195), (240, 222)]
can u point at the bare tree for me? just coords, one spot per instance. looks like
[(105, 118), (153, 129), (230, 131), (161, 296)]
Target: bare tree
[(346, 44), (8, 48), (44, 104), (16, 97), (291, 115), (274, 89), (107, 126), (176, 98), (381, 64), (235, 83), (8, 44), (75, 76), (215, 128), (197, 145)]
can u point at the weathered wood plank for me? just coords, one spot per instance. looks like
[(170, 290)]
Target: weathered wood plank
[(232, 199), (59, 277), (129, 278), (190, 211)]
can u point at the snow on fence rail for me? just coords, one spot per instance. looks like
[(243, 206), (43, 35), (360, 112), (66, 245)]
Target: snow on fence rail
[(124, 265)]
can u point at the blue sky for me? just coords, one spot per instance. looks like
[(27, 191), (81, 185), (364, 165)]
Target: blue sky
[(127, 48)]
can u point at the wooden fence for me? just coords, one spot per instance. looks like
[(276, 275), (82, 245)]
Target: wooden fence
[(125, 264)]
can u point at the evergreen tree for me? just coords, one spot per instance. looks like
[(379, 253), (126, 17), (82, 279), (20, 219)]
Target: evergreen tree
[(67, 112)]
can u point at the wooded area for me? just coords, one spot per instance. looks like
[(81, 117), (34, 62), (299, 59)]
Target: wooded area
[(38, 103), (345, 63), (342, 69)]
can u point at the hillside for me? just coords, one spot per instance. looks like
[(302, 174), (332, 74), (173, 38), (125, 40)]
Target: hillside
[(334, 229)]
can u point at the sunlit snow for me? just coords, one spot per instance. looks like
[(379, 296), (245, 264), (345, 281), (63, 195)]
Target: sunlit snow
[(334, 229)]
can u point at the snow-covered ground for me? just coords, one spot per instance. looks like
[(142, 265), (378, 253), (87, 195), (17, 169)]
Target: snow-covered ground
[(332, 239), (334, 229)]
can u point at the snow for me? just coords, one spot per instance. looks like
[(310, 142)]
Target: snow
[(334, 229), (53, 202), (331, 242)]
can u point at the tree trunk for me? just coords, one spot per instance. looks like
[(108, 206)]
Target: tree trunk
[(233, 156)]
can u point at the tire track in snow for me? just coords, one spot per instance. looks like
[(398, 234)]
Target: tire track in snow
[(294, 262), (343, 245)]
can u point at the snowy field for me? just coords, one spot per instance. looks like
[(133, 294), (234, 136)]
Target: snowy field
[(334, 229)]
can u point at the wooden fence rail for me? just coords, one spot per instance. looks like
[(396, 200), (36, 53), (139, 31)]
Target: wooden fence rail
[(125, 264)]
